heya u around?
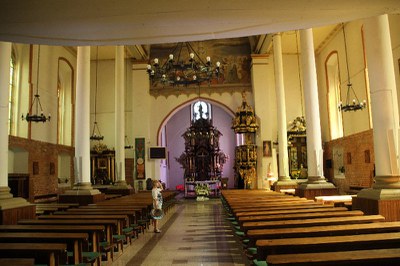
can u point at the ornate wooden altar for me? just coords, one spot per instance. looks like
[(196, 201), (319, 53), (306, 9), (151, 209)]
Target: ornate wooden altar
[(102, 165), (297, 148), (202, 159)]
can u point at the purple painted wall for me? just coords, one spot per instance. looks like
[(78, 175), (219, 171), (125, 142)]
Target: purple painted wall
[(178, 124)]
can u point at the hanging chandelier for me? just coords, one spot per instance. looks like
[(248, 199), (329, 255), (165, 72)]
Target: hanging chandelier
[(174, 71), (355, 104), (96, 135), (36, 117)]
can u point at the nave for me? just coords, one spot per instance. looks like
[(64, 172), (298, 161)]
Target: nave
[(192, 233)]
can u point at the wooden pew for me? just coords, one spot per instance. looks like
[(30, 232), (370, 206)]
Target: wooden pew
[(18, 262), (74, 240), (53, 251), (266, 247), (370, 257), (279, 212), (329, 230), (109, 225), (313, 222), (295, 216)]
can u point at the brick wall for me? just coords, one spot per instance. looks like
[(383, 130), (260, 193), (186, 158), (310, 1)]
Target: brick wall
[(358, 158), (42, 164)]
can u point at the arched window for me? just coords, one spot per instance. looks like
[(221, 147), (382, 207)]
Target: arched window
[(65, 81), (11, 92), (201, 109), (333, 95)]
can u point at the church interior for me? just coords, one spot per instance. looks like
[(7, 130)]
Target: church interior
[(255, 118)]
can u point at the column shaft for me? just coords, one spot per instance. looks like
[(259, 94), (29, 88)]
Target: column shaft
[(5, 57), (384, 105), (314, 145), (281, 108), (82, 116), (120, 113)]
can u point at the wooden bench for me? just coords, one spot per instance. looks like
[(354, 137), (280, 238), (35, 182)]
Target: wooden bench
[(313, 222), (74, 240), (370, 257), (18, 262), (266, 247), (54, 252), (295, 216), (279, 212), (109, 225), (329, 230)]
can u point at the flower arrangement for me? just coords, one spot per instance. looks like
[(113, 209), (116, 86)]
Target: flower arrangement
[(202, 189)]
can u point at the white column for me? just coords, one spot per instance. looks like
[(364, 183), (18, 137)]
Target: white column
[(314, 141), (384, 105), (82, 117), (281, 109), (5, 57), (120, 114)]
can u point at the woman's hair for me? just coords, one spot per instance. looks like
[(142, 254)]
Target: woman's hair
[(155, 182)]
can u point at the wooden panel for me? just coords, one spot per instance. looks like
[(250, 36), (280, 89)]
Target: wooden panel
[(81, 199), (388, 208), (11, 216), (312, 193)]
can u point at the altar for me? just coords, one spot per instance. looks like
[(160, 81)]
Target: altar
[(214, 187)]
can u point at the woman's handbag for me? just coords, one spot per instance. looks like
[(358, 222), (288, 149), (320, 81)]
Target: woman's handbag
[(156, 214)]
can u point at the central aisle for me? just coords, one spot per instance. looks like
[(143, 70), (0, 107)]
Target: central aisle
[(193, 233)]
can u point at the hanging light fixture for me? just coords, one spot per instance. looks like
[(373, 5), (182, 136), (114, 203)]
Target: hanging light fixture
[(174, 71), (355, 104), (96, 135), (36, 117)]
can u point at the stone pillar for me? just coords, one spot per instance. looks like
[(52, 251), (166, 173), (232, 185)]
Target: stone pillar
[(11, 209), (385, 193), (284, 180), (265, 107), (120, 120), (82, 190), (316, 179), (5, 57)]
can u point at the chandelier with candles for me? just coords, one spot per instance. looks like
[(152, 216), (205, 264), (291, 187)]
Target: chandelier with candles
[(175, 71)]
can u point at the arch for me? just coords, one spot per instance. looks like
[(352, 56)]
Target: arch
[(65, 102), (333, 95), (183, 105), (164, 138)]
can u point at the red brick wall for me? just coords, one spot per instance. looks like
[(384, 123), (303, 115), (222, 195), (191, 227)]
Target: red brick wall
[(358, 171), (42, 154)]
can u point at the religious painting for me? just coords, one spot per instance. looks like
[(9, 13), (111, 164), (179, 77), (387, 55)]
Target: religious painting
[(140, 158), (267, 148), (233, 54)]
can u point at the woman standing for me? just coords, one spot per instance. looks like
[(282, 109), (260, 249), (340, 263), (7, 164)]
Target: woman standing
[(157, 202)]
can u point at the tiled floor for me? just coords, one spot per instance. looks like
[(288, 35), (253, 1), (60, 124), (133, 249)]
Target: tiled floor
[(193, 233)]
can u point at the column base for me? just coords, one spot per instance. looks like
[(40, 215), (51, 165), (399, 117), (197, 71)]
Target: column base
[(81, 193), (385, 202), (316, 186), (284, 183), (14, 209)]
